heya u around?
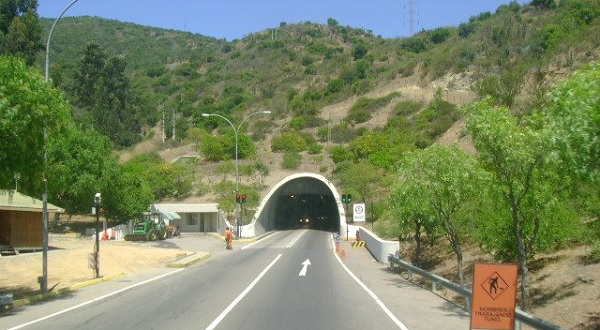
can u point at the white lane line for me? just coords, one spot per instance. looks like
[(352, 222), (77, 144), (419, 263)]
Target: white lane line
[(96, 299), (239, 298), (373, 295), (296, 239)]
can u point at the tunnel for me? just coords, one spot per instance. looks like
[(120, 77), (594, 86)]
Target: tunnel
[(303, 200)]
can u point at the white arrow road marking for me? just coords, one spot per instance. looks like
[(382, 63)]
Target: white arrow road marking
[(304, 267)]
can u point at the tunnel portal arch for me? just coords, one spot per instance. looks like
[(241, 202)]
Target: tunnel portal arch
[(302, 200)]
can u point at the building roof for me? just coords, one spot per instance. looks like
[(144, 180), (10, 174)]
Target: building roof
[(189, 208), (15, 201)]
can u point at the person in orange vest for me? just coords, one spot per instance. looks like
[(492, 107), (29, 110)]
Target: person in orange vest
[(229, 239)]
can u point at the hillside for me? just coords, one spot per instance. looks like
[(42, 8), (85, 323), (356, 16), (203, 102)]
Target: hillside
[(314, 74), (328, 83)]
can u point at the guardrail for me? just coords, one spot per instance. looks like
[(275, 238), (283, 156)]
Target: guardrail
[(521, 317)]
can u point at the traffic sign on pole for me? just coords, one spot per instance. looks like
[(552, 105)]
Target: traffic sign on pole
[(359, 212), (494, 296)]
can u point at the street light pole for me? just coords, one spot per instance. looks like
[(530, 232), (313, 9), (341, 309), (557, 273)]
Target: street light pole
[(97, 202), (237, 172), (50, 37), (44, 279)]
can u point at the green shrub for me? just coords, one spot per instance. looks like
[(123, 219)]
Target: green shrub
[(307, 60), (315, 148), (297, 123), (439, 35), (414, 45), (358, 116), (288, 141), (156, 71), (340, 154), (405, 108), (291, 160)]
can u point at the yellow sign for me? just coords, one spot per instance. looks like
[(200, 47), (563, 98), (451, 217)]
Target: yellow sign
[(494, 296)]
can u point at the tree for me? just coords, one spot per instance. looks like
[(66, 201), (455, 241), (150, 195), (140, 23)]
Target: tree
[(440, 35), (79, 166), (360, 51), (102, 88), (446, 180), (364, 179), (504, 87), (126, 195), (112, 109), (164, 180), (87, 75), (522, 162), (407, 209), (20, 29), (573, 114), (33, 115), (39, 138), (545, 4)]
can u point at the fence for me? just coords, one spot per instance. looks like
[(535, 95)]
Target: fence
[(521, 317)]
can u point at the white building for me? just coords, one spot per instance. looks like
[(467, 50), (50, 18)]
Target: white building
[(196, 218)]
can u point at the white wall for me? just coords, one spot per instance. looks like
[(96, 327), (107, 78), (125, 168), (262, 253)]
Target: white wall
[(380, 249)]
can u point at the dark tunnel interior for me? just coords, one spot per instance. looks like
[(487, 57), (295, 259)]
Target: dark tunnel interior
[(307, 210)]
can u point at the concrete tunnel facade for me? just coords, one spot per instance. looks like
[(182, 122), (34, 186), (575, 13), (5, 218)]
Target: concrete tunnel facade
[(302, 200)]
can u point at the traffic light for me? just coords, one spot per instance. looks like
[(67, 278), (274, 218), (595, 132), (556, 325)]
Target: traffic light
[(346, 198), (243, 199), (238, 198)]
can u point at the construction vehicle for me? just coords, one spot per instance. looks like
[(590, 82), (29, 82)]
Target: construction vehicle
[(151, 227)]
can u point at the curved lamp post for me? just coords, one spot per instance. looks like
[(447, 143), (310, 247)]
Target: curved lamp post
[(237, 173), (44, 279), (50, 37)]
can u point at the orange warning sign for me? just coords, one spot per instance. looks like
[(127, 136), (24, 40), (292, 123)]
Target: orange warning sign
[(494, 296)]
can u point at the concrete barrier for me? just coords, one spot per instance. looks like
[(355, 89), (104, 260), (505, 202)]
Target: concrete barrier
[(380, 249)]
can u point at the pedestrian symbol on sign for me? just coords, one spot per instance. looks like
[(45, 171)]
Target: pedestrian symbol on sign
[(494, 285)]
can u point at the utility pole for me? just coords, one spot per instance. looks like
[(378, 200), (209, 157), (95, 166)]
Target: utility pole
[(163, 126), (173, 122)]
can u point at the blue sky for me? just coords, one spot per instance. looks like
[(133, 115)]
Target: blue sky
[(234, 19)]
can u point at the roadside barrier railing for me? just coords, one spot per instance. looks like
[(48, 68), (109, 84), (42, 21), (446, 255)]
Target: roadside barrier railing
[(521, 317)]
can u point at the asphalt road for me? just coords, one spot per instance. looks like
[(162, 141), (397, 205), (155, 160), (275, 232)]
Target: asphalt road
[(288, 280)]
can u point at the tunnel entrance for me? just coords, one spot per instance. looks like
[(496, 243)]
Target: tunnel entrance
[(314, 211), (303, 200)]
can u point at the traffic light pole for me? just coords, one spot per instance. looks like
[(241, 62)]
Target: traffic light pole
[(239, 200), (347, 223), (347, 199)]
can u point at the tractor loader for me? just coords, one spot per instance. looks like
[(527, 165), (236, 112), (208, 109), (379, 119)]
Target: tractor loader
[(150, 228)]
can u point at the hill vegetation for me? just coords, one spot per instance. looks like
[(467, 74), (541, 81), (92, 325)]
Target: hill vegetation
[(371, 114)]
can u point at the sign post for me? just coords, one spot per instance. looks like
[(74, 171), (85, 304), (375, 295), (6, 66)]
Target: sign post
[(494, 296)]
